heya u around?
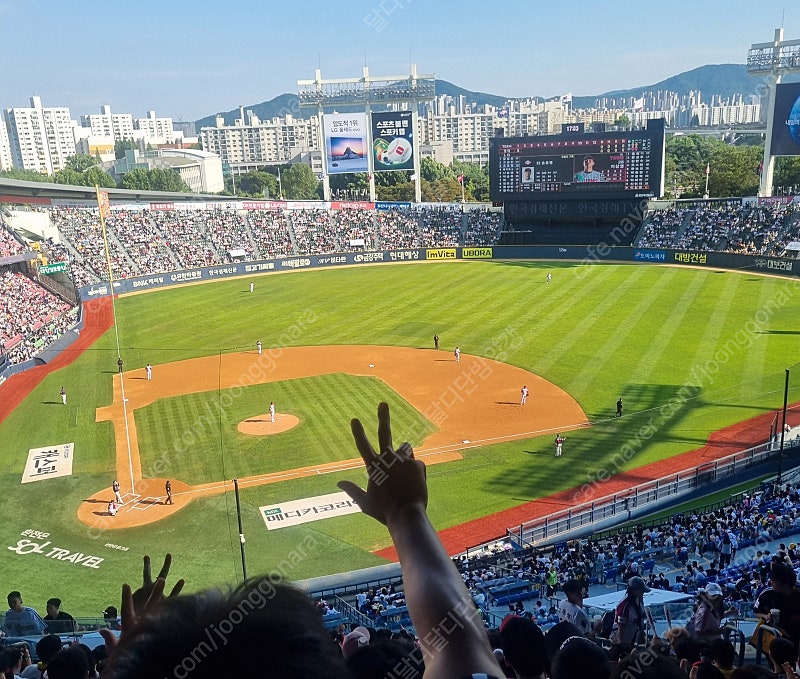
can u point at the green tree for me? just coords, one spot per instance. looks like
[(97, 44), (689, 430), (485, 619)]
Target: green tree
[(400, 192), (445, 190), (623, 121), (787, 173), (24, 175), (97, 176), (80, 162), (122, 145), (167, 180), (733, 171), (299, 182), (476, 180), (432, 170), (137, 179), (257, 184), (69, 176)]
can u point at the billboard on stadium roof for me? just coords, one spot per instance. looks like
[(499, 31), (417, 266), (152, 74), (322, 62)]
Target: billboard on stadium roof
[(346, 142)]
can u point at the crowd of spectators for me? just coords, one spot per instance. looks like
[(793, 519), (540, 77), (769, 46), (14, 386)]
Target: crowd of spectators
[(726, 226), (440, 226), (141, 242), (397, 229), (30, 316), (186, 234), (483, 227), (321, 231), (271, 233), (9, 244)]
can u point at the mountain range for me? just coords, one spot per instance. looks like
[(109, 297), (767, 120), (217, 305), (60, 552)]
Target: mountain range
[(724, 80)]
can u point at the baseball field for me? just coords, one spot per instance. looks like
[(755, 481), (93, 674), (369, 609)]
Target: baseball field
[(690, 351)]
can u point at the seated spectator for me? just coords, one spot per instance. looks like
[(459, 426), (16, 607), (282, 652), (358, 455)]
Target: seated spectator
[(46, 648), (21, 620), (58, 622)]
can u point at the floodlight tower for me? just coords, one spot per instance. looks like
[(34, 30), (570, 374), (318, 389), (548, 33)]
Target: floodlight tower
[(410, 90), (773, 59)]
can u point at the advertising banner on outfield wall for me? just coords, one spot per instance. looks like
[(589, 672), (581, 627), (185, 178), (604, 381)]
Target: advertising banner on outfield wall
[(392, 141), (585, 255), (786, 123), (345, 142)]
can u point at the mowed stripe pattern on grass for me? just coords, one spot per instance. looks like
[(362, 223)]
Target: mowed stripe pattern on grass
[(195, 435), (503, 310)]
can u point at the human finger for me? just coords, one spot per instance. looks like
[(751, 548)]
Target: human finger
[(127, 611), (176, 590), (356, 493), (164, 572), (363, 445), (110, 638), (147, 578), (384, 428)]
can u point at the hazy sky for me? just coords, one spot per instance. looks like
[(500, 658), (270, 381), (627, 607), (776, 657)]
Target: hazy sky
[(187, 60)]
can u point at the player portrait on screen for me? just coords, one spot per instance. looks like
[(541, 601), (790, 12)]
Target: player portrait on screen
[(589, 174), (527, 175)]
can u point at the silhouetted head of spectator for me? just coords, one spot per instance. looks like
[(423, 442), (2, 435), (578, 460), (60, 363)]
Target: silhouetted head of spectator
[(387, 658), (213, 633), (689, 650), (523, 646), (556, 636), (47, 647), (69, 663), (580, 657), (781, 651), (724, 653)]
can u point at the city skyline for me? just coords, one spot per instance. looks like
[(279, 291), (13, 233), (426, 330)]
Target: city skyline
[(190, 61)]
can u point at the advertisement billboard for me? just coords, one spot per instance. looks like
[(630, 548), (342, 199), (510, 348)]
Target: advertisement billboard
[(346, 142), (786, 123), (392, 141)]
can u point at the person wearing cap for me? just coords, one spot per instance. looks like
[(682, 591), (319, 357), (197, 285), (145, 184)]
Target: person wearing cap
[(110, 617), (707, 618), (629, 615), (571, 609)]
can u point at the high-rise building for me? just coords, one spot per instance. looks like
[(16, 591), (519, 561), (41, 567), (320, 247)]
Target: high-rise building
[(108, 124), (40, 138)]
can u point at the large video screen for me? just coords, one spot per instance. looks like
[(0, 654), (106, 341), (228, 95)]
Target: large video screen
[(786, 123), (609, 165)]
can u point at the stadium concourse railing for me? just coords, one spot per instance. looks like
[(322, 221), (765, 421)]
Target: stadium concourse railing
[(605, 512)]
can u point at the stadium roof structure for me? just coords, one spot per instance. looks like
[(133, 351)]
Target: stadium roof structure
[(15, 188)]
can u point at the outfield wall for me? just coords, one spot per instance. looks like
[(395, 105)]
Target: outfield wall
[(582, 254)]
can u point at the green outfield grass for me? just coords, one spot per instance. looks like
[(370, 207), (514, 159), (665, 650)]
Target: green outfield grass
[(689, 350)]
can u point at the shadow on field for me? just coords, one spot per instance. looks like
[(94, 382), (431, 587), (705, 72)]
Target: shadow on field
[(653, 414), (507, 403), (52, 403), (779, 332)]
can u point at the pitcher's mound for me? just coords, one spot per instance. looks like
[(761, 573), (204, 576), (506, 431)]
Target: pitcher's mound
[(260, 425)]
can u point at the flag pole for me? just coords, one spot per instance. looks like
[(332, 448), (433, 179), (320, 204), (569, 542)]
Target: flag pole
[(708, 172)]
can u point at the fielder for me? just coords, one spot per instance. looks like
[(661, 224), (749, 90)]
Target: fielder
[(524, 392), (271, 411), (63, 396), (149, 369), (457, 354), (258, 346), (559, 443)]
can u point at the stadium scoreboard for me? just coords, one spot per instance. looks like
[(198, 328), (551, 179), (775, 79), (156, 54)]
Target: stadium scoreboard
[(614, 165)]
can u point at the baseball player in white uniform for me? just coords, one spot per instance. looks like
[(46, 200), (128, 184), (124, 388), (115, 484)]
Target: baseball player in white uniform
[(559, 443), (258, 346), (457, 354), (524, 392), (271, 411), (149, 369)]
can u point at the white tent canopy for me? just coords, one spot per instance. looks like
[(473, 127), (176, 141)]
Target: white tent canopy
[(655, 597)]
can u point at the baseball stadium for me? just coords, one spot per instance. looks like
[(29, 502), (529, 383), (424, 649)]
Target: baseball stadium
[(698, 353)]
